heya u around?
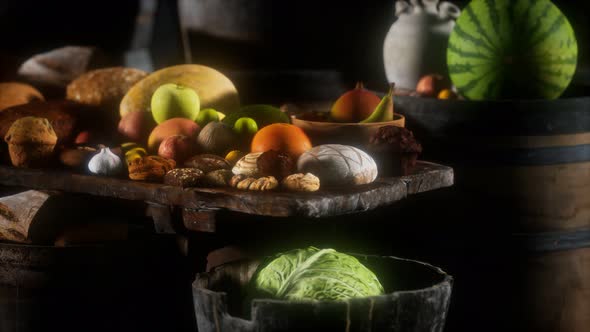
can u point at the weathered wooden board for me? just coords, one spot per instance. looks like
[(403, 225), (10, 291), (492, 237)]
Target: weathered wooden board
[(324, 203)]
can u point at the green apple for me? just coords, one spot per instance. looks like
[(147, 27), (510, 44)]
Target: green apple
[(245, 126), (174, 101), (207, 115)]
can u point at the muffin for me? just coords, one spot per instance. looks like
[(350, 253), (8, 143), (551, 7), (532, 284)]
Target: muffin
[(31, 141), (395, 150)]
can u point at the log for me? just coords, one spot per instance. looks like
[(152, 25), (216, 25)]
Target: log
[(18, 212), (51, 217)]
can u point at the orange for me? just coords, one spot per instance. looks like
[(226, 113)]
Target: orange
[(281, 137)]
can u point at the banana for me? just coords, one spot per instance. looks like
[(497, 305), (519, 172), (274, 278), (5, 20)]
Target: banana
[(384, 111), (137, 152)]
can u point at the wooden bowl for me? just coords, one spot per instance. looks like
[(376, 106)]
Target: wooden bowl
[(355, 134)]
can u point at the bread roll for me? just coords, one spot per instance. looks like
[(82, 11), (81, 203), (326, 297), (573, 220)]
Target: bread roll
[(338, 165), (13, 93), (104, 87)]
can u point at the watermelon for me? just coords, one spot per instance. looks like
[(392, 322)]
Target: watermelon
[(507, 49)]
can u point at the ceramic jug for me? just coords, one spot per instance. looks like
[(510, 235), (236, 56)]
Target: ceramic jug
[(416, 43)]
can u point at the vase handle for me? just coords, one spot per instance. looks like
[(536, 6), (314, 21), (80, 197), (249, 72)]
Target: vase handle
[(449, 11), (402, 7), (431, 6)]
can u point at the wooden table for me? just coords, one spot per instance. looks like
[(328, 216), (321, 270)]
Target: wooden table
[(198, 206)]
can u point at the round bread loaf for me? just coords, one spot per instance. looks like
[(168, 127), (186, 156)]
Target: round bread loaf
[(104, 87), (13, 93), (337, 164)]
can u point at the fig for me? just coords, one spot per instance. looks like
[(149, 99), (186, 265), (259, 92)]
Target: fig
[(177, 147), (354, 105)]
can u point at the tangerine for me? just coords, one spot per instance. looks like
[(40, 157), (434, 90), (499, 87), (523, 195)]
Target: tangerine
[(281, 137)]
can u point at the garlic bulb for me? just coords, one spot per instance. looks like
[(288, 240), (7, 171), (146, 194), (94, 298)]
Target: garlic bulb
[(105, 163)]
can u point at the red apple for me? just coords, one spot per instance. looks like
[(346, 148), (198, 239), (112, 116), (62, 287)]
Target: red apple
[(136, 126), (177, 147), (431, 85)]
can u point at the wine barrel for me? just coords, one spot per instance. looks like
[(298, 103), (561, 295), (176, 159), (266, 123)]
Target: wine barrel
[(417, 298), (136, 285), (522, 187)]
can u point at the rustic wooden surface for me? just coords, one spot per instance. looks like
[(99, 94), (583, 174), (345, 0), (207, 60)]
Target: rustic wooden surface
[(324, 203)]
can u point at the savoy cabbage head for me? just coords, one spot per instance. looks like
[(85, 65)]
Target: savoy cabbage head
[(314, 274)]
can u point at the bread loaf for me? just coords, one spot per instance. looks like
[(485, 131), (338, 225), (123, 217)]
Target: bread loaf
[(104, 88), (337, 164), (13, 93)]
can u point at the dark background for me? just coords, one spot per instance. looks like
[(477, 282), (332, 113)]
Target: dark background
[(340, 36)]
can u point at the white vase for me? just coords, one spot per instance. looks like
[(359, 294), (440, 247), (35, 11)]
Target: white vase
[(416, 43)]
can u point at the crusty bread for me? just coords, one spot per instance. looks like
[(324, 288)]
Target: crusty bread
[(337, 164), (104, 87), (14, 93)]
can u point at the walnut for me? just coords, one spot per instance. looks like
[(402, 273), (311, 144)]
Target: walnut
[(274, 163), (301, 182), (249, 183), (218, 178)]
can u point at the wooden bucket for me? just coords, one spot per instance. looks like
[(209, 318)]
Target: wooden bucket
[(417, 299), (522, 171), (131, 286)]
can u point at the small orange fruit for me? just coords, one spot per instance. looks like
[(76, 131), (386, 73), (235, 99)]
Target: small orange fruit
[(447, 94), (281, 137)]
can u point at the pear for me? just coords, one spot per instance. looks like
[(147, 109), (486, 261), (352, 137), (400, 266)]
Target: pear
[(384, 111)]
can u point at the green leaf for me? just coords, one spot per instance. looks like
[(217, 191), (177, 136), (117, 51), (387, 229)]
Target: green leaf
[(314, 274)]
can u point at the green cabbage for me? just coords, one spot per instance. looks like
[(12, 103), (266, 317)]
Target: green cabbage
[(314, 274)]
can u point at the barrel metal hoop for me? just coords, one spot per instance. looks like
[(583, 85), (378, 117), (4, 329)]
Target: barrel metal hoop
[(553, 241)]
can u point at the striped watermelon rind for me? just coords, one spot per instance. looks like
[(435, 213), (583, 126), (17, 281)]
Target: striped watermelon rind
[(512, 49)]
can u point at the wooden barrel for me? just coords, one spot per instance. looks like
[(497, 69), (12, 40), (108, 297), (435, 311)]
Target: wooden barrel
[(417, 298), (522, 186), (137, 285)]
